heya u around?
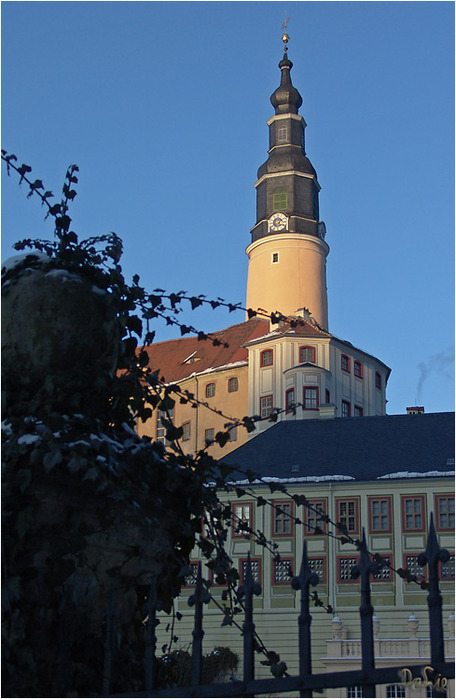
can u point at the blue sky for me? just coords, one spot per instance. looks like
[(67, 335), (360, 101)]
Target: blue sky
[(163, 106)]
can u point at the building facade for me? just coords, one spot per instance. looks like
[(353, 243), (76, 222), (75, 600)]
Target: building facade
[(322, 433), (382, 475), (294, 368)]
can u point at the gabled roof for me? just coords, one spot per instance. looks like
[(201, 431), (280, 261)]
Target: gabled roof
[(180, 358), (361, 448)]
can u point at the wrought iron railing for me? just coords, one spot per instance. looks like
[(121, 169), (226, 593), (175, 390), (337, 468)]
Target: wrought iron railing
[(307, 682)]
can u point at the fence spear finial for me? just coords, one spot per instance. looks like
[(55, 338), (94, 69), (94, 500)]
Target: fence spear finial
[(433, 556)]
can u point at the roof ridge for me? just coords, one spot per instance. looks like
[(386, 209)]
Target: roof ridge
[(194, 336)]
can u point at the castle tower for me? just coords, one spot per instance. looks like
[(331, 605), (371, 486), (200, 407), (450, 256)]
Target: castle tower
[(287, 255)]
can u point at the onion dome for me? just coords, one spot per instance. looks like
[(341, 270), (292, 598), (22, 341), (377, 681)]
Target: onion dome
[(286, 99)]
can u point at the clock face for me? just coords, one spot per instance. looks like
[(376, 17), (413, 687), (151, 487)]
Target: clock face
[(277, 222)]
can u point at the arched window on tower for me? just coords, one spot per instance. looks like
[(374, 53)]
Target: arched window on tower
[(279, 200)]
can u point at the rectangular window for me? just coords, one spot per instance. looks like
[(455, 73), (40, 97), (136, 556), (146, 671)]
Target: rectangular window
[(307, 354), (344, 568), (411, 564), (283, 522), (384, 572), (318, 566), (447, 569), (358, 369), (233, 434), (279, 200), (379, 514), (275, 258), (346, 408), (395, 691), (190, 579), (233, 384), (347, 514), (289, 400), (327, 396), (186, 427), (345, 362), (266, 406), (310, 401), (266, 357), (312, 517), (378, 380), (256, 569), (242, 519), (413, 518), (444, 512), (209, 435), (210, 390), (358, 411), (282, 571), (354, 692), (162, 416), (282, 134)]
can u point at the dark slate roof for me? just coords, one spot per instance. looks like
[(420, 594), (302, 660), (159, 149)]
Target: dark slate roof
[(364, 448)]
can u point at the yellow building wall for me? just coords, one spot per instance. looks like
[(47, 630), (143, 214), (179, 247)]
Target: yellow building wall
[(297, 280), (232, 405)]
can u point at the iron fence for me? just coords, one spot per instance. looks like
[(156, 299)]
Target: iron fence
[(306, 682)]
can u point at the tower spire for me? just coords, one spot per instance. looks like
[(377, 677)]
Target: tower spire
[(287, 255), (286, 99)]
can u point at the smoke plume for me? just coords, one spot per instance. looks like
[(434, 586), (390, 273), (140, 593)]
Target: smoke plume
[(441, 363)]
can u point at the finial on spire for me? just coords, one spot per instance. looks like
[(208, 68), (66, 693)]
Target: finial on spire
[(286, 99), (285, 36)]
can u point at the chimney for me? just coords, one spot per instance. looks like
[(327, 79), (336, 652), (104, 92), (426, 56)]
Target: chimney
[(415, 410), (304, 313)]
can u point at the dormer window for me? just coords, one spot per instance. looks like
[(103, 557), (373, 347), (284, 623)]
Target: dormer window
[(307, 354), (191, 359), (266, 357)]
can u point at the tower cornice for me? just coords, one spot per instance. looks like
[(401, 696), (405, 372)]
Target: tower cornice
[(284, 237), (278, 117), (282, 173)]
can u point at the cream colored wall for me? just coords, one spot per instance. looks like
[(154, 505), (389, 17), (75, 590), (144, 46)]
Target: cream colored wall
[(327, 374), (201, 418), (297, 280), (277, 607), (358, 391)]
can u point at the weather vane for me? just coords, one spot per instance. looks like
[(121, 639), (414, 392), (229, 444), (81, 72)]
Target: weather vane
[(285, 36)]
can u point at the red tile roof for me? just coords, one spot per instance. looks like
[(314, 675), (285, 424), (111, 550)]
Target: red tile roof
[(170, 357)]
